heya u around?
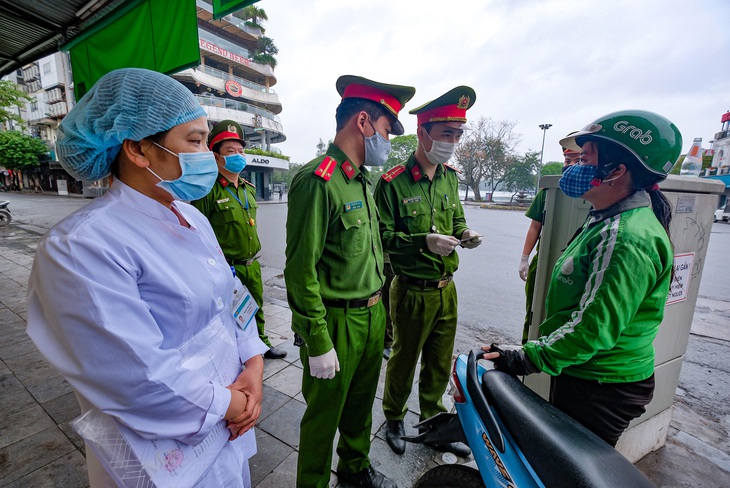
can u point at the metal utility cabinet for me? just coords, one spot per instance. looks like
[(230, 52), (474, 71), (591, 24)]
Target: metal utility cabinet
[(694, 201)]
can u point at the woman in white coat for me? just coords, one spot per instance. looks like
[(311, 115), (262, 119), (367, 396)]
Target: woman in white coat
[(131, 298)]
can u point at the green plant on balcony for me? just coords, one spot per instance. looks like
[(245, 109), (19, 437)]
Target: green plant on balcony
[(252, 15), (261, 152), (265, 51)]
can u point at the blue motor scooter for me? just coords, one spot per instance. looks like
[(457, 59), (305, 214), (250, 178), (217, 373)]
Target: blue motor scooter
[(517, 438)]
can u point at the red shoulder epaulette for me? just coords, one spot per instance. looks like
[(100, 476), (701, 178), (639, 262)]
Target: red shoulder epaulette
[(452, 168), (393, 172), (245, 181), (325, 168)]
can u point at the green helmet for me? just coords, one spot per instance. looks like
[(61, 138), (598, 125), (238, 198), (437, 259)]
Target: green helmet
[(653, 140)]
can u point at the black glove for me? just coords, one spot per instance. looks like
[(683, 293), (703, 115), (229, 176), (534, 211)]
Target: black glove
[(513, 362)]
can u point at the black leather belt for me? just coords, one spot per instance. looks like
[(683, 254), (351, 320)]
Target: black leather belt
[(426, 284), (362, 302), (242, 262)]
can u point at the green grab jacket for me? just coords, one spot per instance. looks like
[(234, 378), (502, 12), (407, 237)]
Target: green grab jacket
[(606, 297)]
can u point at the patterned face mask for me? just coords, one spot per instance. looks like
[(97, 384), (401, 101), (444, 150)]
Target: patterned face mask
[(576, 180)]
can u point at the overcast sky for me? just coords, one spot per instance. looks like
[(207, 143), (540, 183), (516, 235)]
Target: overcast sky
[(563, 62)]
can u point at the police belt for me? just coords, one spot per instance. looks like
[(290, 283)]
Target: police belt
[(363, 302), (242, 262), (426, 284)]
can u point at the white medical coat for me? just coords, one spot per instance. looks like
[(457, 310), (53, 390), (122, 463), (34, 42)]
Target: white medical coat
[(115, 289)]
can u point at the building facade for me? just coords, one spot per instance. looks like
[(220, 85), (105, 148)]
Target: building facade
[(228, 84), (720, 150), (48, 83)]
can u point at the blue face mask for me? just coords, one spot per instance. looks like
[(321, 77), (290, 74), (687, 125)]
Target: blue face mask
[(576, 180), (377, 149), (199, 172), (235, 163)]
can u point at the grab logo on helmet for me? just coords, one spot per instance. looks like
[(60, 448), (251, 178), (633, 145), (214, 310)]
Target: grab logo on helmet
[(633, 131)]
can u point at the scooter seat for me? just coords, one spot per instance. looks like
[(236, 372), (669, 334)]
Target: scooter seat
[(561, 451)]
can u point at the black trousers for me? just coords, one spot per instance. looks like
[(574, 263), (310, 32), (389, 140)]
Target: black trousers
[(603, 408)]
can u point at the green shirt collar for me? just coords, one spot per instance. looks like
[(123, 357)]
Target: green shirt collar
[(349, 170), (414, 169)]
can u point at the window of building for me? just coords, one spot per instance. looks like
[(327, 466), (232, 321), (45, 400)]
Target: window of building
[(46, 68), (34, 104)]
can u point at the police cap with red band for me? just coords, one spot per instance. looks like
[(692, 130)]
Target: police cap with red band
[(449, 107), (391, 97), (225, 130)]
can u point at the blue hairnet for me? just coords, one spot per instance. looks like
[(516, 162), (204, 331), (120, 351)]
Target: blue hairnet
[(129, 103)]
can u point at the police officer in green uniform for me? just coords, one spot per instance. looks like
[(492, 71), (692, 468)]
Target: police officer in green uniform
[(536, 213), (334, 273), (231, 209), (422, 222)]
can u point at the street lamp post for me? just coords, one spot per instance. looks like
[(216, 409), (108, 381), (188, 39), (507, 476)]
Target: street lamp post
[(544, 128)]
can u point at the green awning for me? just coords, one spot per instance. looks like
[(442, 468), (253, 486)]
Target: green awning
[(161, 35)]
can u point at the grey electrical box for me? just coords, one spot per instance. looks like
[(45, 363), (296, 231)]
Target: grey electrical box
[(694, 201)]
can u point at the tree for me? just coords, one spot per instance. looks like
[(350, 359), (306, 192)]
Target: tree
[(552, 168), (401, 149), (521, 172), (266, 51), (287, 175), (19, 151), (11, 96), (485, 153), (321, 147), (252, 14)]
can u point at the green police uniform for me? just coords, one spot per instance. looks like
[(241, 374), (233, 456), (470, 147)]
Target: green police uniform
[(231, 212), (333, 253), (424, 314), (334, 274), (535, 212)]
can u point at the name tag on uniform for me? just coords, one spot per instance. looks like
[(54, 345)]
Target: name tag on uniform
[(408, 200), (350, 206), (223, 200), (244, 307)]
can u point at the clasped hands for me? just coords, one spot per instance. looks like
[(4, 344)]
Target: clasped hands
[(246, 396)]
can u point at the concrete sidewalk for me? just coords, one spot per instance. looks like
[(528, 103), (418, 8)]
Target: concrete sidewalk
[(38, 448)]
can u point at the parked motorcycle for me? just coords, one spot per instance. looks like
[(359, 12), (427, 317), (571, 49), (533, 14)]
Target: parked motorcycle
[(517, 438), (5, 215)]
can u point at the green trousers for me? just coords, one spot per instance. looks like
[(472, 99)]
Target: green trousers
[(389, 275), (344, 402), (424, 322), (529, 292), (251, 277)]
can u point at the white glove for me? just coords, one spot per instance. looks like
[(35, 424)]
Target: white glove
[(324, 366), (524, 267), (470, 239), (440, 244)]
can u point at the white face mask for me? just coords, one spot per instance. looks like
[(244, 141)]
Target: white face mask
[(440, 151)]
